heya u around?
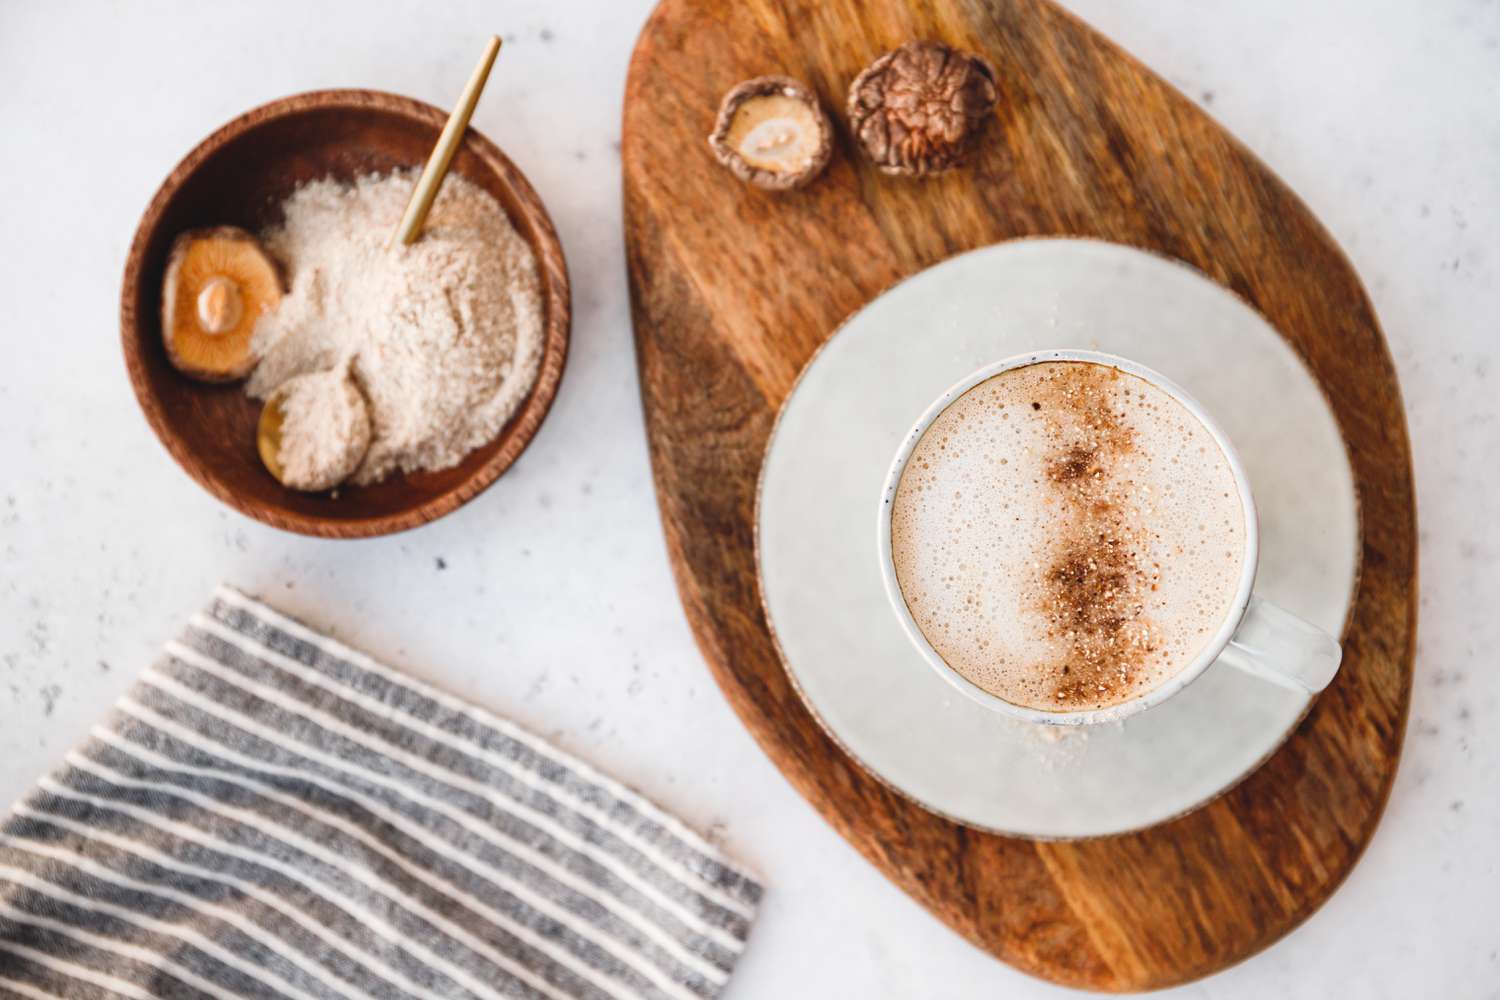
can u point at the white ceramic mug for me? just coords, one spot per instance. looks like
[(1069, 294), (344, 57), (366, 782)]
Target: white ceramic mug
[(1256, 636)]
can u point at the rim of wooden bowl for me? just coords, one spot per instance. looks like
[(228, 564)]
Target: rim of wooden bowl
[(517, 432)]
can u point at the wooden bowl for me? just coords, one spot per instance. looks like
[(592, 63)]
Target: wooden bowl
[(239, 176)]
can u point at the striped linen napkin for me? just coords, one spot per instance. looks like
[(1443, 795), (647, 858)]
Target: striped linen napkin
[(269, 813)]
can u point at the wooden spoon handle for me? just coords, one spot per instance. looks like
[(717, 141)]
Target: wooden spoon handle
[(442, 154)]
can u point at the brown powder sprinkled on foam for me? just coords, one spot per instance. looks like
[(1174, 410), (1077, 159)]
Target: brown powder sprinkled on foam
[(1092, 592)]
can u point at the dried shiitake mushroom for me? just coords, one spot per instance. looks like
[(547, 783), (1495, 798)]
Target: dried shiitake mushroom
[(772, 132), (218, 282), (918, 110)]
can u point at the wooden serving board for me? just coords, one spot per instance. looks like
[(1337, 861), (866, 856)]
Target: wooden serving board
[(733, 289)]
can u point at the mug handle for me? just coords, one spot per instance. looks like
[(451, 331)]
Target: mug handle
[(1274, 644)]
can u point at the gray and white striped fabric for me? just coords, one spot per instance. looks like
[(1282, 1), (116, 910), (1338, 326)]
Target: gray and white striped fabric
[(271, 814)]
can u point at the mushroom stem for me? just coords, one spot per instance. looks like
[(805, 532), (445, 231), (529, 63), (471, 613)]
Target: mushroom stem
[(220, 305)]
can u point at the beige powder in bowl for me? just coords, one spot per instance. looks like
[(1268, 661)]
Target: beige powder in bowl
[(325, 429), (443, 336)]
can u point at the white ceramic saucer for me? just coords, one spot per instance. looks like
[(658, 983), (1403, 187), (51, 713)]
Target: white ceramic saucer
[(820, 577)]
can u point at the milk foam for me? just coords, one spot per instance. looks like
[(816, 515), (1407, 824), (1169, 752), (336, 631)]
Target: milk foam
[(1067, 536)]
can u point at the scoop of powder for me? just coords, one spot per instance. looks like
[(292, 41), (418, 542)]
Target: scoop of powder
[(325, 429), (444, 336)]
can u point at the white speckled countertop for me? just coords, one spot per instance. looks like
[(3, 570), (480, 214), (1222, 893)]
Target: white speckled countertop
[(549, 598)]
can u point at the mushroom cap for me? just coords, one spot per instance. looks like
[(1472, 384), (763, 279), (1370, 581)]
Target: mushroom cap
[(773, 93), (918, 109), (199, 264)]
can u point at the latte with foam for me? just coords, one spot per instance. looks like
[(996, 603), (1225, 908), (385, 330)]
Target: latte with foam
[(1067, 536)]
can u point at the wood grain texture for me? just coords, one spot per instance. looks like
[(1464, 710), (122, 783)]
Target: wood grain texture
[(734, 288), (239, 176)]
